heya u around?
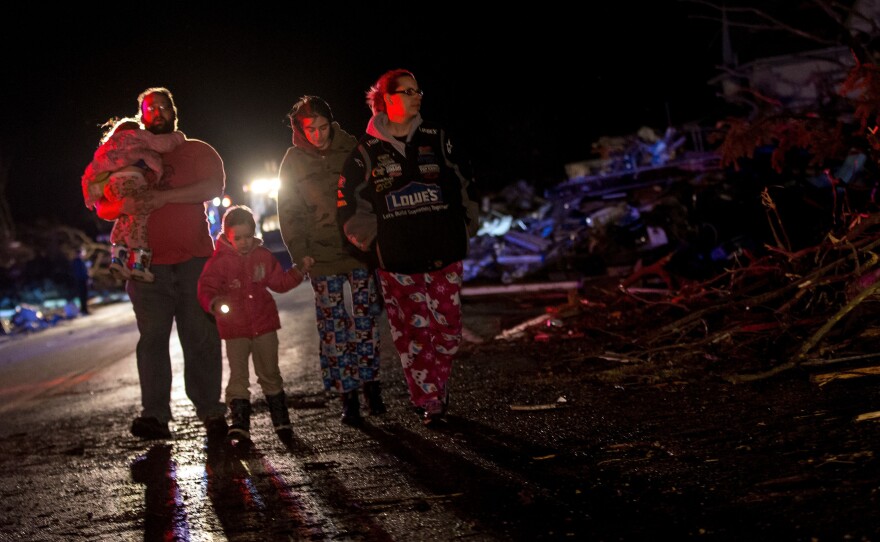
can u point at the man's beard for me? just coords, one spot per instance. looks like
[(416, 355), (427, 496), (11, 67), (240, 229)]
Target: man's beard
[(166, 127)]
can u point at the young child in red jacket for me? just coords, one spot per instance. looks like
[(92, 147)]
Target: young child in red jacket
[(234, 287)]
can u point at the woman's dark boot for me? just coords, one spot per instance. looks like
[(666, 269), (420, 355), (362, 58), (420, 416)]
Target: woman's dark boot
[(279, 414), (434, 411), (351, 408), (373, 395), (241, 420)]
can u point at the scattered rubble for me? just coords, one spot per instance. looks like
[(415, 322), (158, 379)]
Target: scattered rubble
[(610, 213)]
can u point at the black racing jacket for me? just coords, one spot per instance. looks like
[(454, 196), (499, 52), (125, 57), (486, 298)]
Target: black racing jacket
[(417, 211)]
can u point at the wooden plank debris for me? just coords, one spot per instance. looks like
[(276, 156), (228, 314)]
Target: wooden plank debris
[(825, 378)]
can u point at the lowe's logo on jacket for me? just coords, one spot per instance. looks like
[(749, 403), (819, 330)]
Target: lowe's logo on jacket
[(412, 196)]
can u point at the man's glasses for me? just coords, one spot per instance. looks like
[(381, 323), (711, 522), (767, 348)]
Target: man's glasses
[(410, 92), (154, 108)]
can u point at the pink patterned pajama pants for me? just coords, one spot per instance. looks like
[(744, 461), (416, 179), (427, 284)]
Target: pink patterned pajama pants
[(424, 313)]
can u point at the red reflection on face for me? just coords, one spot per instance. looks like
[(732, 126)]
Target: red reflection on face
[(241, 237), (317, 131), (401, 107), (157, 114)]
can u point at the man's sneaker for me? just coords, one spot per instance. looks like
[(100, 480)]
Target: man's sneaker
[(215, 427), (150, 428)]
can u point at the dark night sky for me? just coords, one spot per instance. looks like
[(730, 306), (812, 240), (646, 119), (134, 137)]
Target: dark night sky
[(527, 91)]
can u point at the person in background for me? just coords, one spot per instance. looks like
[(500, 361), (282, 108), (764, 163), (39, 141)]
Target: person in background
[(348, 339), (181, 244), (407, 195), (79, 270), (126, 162), (234, 288)]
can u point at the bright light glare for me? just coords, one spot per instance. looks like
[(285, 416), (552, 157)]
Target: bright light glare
[(227, 202), (267, 186), (216, 201), (224, 308)]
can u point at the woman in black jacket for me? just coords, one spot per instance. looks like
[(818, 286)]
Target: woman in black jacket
[(405, 194)]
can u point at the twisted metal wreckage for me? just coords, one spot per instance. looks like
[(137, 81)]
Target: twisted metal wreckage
[(593, 223), (797, 292)]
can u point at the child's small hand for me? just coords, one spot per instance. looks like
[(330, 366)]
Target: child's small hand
[(307, 263), (219, 307)]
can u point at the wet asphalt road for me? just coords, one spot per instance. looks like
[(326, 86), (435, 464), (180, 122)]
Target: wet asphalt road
[(73, 471), (538, 447)]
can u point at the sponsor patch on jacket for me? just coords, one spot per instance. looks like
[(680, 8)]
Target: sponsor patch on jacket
[(340, 199), (429, 171), (413, 196), (382, 172), (385, 171), (428, 166)]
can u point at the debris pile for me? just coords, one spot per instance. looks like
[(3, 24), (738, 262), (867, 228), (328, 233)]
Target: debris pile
[(735, 274), (610, 214), (765, 315)]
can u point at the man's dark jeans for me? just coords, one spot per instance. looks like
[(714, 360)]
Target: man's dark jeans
[(171, 299)]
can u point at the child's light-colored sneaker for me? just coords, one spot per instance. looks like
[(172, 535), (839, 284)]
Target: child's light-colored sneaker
[(119, 262), (139, 264), (142, 275)]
